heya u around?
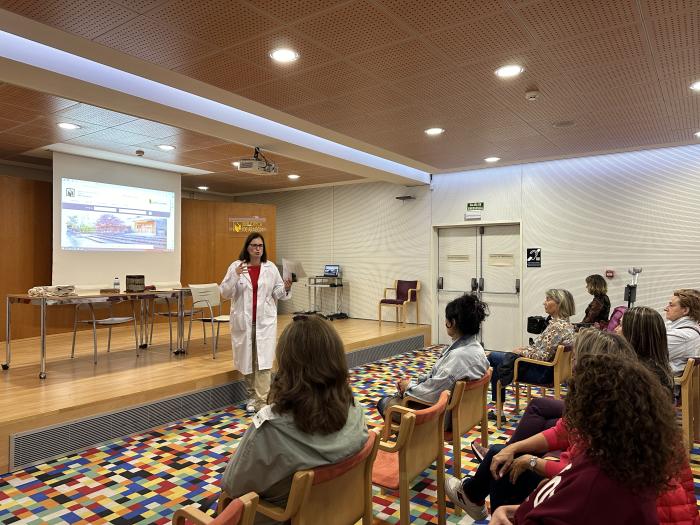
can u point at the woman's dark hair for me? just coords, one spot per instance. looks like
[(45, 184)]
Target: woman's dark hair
[(311, 382), (621, 417), (466, 313), (596, 284), (645, 330), (245, 256)]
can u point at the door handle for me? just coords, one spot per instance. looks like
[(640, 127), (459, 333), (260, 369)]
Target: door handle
[(481, 284), (439, 283), (517, 286), (475, 285)]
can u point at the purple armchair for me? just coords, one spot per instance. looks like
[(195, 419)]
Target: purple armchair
[(406, 292)]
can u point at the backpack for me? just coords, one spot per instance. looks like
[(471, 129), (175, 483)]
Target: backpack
[(615, 318)]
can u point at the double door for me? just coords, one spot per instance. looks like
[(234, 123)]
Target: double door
[(484, 260)]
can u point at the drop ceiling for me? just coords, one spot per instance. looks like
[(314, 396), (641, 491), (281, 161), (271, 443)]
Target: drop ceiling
[(380, 72)]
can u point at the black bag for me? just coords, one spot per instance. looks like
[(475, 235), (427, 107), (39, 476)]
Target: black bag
[(507, 369), (536, 324)]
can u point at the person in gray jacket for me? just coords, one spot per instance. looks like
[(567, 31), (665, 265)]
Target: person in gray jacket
[(311, 419), (683, 328), (463, 359)]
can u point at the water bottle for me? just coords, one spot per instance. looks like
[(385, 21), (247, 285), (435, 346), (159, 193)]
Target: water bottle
[(115, 285)]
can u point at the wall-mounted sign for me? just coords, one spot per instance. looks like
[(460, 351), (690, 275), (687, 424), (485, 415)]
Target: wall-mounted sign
[(473, 211), (534, 257), (501, 259), (246, 225)]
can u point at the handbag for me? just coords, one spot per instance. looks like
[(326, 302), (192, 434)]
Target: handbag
[(536, 324)]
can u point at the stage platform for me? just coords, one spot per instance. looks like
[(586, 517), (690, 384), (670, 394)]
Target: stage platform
[(80, 404)]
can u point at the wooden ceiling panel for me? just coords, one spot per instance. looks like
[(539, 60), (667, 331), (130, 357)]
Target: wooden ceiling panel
[(257, 51), (87, 18), (476, 40), (335, 78), (291, 10), (612, 76), (553, 20), (366, 101), (18, 114), (148, 39), (221, 22), (684, 62), (656, 8), (401, 60), (227, 72), (669, 34), (352, 28), (426, 16), (6, 124), (591, 50), (323, 111), (36, 101), (279, 94), (140, 6)]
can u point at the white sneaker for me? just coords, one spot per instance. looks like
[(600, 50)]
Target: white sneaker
[(453, 488), (249, 408)]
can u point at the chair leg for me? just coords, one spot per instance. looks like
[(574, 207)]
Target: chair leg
[(136, 337), (396, 316), (109, 339), (484, 428), (499, 404), (94, 341), (456, 464), (686, 418), (442, 510), (216, 341), (170, 331), (189, 332), (529, 393), (379, 313), (404, 503), (75, 328)]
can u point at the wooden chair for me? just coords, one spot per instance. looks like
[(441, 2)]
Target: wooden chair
[(240, 511), (562, 371), (690, 402), (337, 494), (406, 292), (419, 444)]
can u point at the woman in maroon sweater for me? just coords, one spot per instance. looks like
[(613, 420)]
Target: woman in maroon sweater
[(630, 446)]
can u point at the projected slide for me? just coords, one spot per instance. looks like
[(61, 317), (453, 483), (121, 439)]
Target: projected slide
[(107, 217)]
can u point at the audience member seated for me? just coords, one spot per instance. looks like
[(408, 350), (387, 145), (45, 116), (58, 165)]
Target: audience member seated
[(311, 419), (626, 445), (683, 328), (463, 359), (644, 329), (598, 309), (532, 438), (559, 304)]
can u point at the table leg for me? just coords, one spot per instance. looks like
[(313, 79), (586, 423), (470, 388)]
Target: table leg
[(143, 324), (42, 315), (8, 336), (180, 344)]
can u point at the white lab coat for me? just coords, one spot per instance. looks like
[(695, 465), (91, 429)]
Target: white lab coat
[(240, 290)]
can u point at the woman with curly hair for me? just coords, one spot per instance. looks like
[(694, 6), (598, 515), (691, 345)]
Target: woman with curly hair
[(628, 447), (311, 419)]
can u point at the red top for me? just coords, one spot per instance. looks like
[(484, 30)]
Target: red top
[(254, 272)]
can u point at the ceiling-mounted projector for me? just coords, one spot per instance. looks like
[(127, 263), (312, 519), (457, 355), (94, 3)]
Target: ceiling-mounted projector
[(258, 164)]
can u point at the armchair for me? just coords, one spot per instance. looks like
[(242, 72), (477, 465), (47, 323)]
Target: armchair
[(406, 292), (240, 511)]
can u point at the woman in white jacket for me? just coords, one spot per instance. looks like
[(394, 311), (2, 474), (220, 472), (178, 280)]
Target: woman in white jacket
[(254, 285)]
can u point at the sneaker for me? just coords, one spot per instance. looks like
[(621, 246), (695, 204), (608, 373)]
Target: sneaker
[(478, 451), (249, 409), (492, 417), (454, 490)]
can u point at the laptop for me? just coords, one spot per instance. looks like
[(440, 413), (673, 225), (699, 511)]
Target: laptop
[(331, 270)]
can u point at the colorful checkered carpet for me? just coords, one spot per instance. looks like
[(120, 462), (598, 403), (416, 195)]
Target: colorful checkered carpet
[(144, 478)]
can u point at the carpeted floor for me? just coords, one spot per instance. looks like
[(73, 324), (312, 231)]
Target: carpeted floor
[(144, 478)]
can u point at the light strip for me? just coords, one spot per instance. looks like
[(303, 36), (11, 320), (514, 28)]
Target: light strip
[(48, 58)]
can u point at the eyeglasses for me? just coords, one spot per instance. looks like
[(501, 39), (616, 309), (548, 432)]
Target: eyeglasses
[(256, 245), (304, 317)]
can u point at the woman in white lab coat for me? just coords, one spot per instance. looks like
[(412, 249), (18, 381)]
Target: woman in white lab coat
[(254, 285)]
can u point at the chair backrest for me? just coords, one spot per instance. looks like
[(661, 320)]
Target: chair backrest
[(402, 288), (469, 398), (564, 360), (341, 492), (239, 511), (203, 294), (426, 441)]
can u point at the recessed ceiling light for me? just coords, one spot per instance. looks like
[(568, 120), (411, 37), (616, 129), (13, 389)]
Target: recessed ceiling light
[(235, 164), (492, 159), (695, 86), (166, 147), (203, 188), (68, 125), (434, 131), (697, 134), (284, 55), (293, 176), (510, 70)]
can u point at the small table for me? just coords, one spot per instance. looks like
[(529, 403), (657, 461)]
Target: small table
[(317, 284), (43, 301)]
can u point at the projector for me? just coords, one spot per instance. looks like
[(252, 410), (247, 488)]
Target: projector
[(258, 166)]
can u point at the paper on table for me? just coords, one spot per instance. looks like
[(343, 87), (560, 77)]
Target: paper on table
[(290, 267)]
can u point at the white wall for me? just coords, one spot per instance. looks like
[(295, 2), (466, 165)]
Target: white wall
[(374, 237), (589, 214)]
